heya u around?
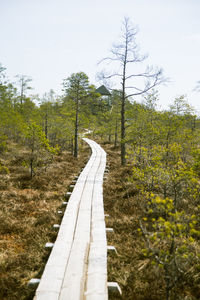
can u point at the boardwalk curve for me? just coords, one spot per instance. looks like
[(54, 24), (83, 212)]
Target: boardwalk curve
[(77, 266)]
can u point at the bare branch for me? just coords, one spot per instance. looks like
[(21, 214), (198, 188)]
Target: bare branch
[(107, 59), (134, 88), (144, 75), (145, 234), (142, 91), (125, 53), (113, 75), (102, 75), (197, 88), (157, 80)]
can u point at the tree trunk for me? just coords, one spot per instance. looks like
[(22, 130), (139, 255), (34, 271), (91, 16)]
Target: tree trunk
[(46, 126), (31, 167), (123, 149), (22, 95), (76, 133), (72, 146), (123, 100), (167, 288), (116, 128)]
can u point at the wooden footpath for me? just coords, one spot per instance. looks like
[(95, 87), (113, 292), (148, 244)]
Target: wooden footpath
[(77, 266)]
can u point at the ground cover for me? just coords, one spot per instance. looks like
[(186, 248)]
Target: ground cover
[(28, 210), (137, 277)]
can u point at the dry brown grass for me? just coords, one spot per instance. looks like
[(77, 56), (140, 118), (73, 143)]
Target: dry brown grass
[(138, 279), (28, 210)]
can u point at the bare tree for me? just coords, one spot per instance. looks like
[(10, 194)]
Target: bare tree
[(126, 55)]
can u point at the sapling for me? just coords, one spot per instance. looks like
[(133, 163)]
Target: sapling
[(38, 145), (170, 240)]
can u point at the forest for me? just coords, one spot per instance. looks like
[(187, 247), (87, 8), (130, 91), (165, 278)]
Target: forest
[(152, 191)]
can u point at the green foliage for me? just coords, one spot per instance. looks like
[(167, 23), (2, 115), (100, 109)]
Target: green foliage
[(3, 143), (40, 150), (165, 157), (162, 148), (163, 169), (170, 239), (76, 86), (79, 96), (196, 161), (3, 169)]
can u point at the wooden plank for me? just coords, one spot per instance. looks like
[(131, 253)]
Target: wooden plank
[(74, 279), (60, 254), (77, 266), (96, 287)]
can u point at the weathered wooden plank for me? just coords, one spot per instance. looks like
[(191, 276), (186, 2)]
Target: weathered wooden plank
[(74, 279), (96, 287), (46, 295), (77, 266), (60, 254)]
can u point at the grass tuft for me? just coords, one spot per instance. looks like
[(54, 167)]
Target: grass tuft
[(28, 210)]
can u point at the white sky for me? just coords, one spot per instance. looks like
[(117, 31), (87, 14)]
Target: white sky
[(49, 40)]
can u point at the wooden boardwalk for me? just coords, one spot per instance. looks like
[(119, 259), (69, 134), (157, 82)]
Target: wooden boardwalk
[(77, 266)]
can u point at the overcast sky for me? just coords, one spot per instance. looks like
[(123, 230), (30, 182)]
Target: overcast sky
[(49, 40)]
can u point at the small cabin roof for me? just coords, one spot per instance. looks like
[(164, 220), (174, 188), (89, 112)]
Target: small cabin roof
[(103, 91)]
